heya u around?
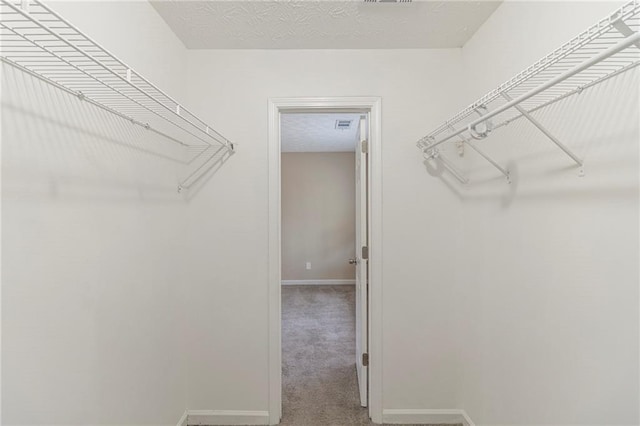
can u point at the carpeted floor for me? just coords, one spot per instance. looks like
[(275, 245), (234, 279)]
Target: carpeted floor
[(319, 382)]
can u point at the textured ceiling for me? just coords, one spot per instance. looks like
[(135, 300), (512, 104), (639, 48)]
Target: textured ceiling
[(317, 132), (323, 24)]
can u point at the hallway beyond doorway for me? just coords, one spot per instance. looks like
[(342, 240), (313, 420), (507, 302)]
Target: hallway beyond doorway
[(319, 380)]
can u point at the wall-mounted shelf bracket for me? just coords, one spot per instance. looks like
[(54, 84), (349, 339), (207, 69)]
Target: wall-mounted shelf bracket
[(453, 169), (38, 41), (434, 154), (216, 156), (585, 65), (465, 141), (603, 51), (544, 130), (624, 29), (501, 169)]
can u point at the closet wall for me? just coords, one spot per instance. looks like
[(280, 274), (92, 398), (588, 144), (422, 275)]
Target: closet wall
[(516, 303), (92, 243), (548, 295), (228, 222)]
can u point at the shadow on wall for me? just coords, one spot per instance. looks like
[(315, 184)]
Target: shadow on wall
[(212, 159), (600, 125), (56, 145)]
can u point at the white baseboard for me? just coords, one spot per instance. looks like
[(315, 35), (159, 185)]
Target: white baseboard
[(318, 282), (183, 419), (227, 417), (451, 416)]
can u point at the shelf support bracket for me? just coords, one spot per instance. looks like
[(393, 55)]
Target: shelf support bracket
[(452, 169), (434, 154), (543, 129), (183, 185), (466, 141), (625, 30), (502, 170), (623, 44)]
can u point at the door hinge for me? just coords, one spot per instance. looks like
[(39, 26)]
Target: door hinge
[(365, 360), (365, 147), (365, 253)]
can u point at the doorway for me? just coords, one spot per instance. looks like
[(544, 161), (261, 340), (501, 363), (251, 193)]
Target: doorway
[(368, 356)]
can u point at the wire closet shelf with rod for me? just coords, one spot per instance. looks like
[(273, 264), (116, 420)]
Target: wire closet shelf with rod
[(607, 49), (38, 41)]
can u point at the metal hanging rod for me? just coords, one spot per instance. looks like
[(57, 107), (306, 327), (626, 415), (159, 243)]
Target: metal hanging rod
[(606, 49), (38, 41)]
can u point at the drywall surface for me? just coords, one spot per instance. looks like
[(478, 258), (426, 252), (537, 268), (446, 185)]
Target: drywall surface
[(92, 236), (318, 215), (228, 283), (548, 291), (521, 307)]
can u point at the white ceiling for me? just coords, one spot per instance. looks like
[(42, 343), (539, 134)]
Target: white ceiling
[(317, 132), (323, 24)]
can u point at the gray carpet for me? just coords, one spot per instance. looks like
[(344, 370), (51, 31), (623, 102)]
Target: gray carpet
[(319, 382)]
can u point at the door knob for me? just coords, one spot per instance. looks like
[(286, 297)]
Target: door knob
[(353, 261)]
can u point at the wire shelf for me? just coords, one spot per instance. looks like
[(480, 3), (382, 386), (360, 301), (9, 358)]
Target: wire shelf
[(38, 41), (606, 49)]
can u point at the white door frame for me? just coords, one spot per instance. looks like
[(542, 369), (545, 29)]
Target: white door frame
[(373, 106)]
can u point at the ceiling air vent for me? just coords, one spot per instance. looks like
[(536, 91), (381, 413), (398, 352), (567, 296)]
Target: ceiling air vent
[(343, 124)]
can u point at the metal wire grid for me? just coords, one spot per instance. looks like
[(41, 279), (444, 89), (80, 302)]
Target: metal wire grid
[(38, 41), (597, 39)]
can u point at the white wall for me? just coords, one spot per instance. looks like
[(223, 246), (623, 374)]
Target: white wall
[(92, 242), (548, 291), (521, 307), (228, 220), (486, 303)]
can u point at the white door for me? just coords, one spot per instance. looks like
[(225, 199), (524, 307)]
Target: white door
[(361, 262)]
